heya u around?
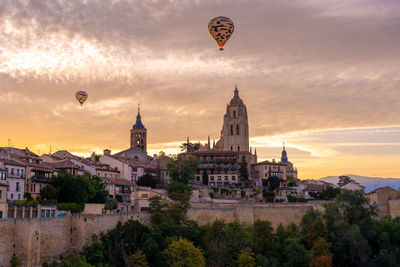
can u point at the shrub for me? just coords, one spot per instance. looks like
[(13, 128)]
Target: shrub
[(178, 187), (212, 194), (111, 204), (72, 207)]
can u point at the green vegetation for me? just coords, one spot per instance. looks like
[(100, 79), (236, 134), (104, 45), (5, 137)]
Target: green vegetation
[(72, 192), (273, 183), (111, 204), (190, 147), (147, 180), (15, 261), (345, 233), (344, 179), (182, 170)]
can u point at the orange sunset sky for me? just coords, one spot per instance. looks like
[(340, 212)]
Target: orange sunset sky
[(322, 76)]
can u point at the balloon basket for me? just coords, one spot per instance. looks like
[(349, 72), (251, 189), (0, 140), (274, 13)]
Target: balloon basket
[(221, 49)]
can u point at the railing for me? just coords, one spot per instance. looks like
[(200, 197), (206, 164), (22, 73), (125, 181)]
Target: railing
[(42, 178)]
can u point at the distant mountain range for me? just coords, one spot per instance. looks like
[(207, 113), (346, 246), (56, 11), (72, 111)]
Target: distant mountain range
[(370, 183)]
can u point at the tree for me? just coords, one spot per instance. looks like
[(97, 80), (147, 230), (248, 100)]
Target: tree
[(183, 253), (111, 204), (273, 182), (246, 259), (328, 193), (344, 179), (183, 170), (354, 206), (205, 177), (295, 253), (15, 261), (97, 189), (190, 147), (49, 192), (243, 171), (147, 180), (262, 234), (138, 259)]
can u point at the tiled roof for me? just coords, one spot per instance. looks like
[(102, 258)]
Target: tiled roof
[(314, 187), (12, 162), (118, 181), (381, 188)]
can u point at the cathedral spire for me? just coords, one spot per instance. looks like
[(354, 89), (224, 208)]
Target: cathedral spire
[(209, 144), (236, 91), (139, 124)]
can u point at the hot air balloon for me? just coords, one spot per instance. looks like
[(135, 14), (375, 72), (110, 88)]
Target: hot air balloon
[(81, 96), (221, 29)]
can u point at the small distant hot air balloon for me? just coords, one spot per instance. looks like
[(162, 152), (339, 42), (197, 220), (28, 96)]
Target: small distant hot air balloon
[(81, 96), (221, 29)]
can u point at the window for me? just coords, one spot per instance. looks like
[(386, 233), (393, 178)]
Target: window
[(134, 169), (98, 174), (233, 178), (18, 172), (226, 178), (237, 129), (238, 148), (231, 148), (1, 214), (1, 195), (12, 196), (212, 178), (17, 186), (111, 187), (105, 174), (231, 129), (234, 114), (19, 196), (145, 196), (33, 188), (12, 171), (22, 173)]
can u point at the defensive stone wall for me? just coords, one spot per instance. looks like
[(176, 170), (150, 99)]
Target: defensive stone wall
[(248, 213), (394, 208), (46, 239)]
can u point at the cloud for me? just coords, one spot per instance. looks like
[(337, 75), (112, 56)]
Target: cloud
[(301, 66)]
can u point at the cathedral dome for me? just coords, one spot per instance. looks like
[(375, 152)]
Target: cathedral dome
[(236, 100)]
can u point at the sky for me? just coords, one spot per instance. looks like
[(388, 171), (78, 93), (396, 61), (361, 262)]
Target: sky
[(320, 75)]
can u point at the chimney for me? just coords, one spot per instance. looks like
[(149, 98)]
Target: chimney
[(273, 160), (93, 157), (26, 150), (107, 152)]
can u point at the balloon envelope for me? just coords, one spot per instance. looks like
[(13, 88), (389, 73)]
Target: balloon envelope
[(81, 96), (221, 29)]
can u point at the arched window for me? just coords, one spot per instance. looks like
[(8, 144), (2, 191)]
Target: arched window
[(231, 129), (237, 129)]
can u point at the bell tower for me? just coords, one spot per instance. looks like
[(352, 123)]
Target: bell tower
[(235, 130), (139, 134)]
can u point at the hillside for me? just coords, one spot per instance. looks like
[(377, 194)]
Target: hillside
[(370, 183)]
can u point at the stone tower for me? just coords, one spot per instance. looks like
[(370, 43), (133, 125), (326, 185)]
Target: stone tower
[(139, 134), (235, 130)]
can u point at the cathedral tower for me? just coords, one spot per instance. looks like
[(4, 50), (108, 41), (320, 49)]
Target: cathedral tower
[(235, 130), (139, 134)]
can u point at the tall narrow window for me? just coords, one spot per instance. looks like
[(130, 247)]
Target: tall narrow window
[(238, 148), (234, 114), (231, 129), (237, 129), (231, 148)]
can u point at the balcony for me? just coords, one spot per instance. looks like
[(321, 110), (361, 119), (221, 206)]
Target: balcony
[(42, 178)]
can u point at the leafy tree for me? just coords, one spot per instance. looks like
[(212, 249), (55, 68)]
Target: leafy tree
[(295, 253), (15, 261), (344, 179), (246, 259), (322, 261), (183, 253), (183, 170), (243, 171), (321, 247), (179, 188), (354, 206), (190, 147), (262, 235), (329, 193), (49, 192), (205, 178), (147, 180), (138, 259), (28, 196), (73, 188), (273, 182), (111, 204), (97, 189)]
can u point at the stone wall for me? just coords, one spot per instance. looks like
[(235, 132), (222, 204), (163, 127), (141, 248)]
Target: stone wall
[(248, 213), (45, 239), (394, 208)]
